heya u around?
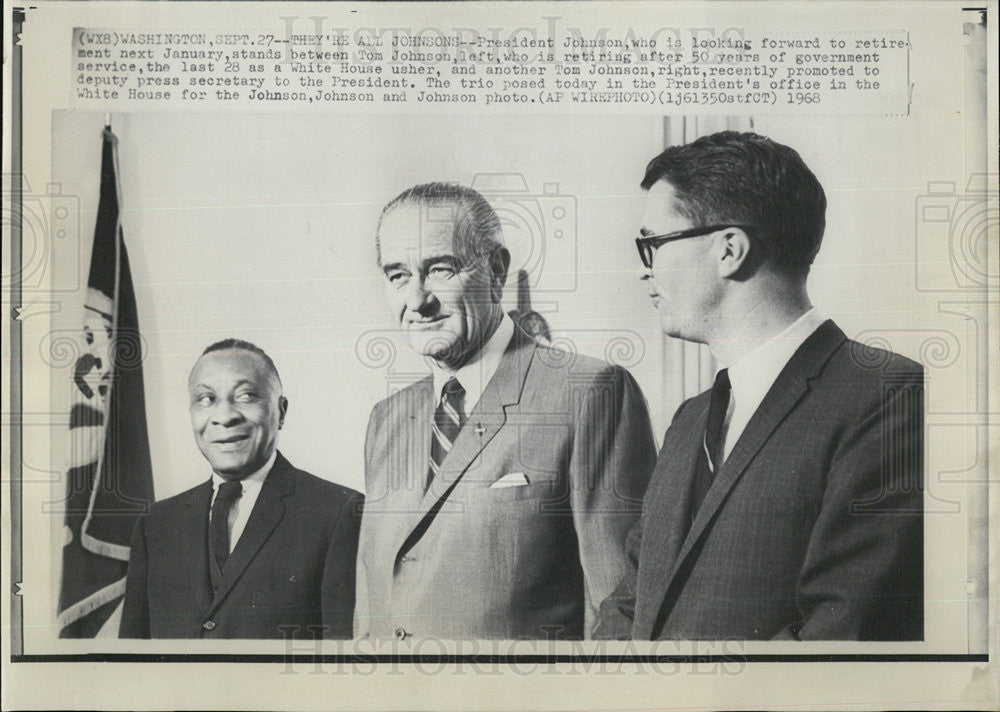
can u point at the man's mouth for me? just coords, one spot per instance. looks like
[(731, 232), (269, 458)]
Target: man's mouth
[(426, 323), (231, 439)]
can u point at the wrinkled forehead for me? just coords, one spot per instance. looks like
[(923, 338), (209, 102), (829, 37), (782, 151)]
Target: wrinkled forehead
[(415, 232), (222, 370)]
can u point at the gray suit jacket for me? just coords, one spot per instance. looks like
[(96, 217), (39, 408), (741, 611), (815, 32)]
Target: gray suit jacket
[(813, 527), (466, 560)]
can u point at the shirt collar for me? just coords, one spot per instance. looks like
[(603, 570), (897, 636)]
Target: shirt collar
[(753, 375), (253, 481), (476, 374)]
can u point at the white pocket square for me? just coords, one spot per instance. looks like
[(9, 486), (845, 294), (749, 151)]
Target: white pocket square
[(514, 479)]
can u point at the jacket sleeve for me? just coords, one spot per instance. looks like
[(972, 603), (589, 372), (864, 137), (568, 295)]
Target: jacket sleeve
[(612, 458), (862, 577), (362, 607), (618, 610), (135, 610), (339, 570)]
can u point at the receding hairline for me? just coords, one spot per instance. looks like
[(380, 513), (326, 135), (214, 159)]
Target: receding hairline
[(271, 372), (467, 203), (419, 203)]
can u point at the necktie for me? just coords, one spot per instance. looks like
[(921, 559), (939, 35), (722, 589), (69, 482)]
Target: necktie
[(447, 424), (710, 456), (228, 493)]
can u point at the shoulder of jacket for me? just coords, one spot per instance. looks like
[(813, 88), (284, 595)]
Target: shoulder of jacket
[(401, 395), (314, 486), (169, 504), (863, 364), (572, 364)]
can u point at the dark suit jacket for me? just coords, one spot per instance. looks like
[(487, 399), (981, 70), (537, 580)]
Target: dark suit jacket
[(813, 527), (293, 565), (466, 560)]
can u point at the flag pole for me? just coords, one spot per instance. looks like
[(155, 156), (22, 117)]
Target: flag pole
[(109, 482)]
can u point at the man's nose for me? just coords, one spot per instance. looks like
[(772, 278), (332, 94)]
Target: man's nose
[(644, 273), (226, 414), (418, 296)]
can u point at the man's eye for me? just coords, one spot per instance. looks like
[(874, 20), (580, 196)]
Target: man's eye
[(204, 400), (441, 272), (245, 397), (397, 279)]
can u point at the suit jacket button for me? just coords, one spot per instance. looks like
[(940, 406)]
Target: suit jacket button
[(208, 625), (401, 634)]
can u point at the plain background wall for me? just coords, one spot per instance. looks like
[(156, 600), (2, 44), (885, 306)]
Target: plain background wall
[(261, 227)]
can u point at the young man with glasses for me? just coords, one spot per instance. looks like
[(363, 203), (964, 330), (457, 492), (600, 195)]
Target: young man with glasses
[(787, 501)]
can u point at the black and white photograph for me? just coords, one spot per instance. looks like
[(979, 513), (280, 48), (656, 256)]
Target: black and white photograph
[(632, 355)]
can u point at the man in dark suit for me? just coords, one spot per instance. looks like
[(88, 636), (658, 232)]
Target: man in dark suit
[(499, 489), (787, 501), (260, 550)]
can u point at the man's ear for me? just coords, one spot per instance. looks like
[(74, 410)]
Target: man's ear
[(282, 409), (499, 265), (735, 248)]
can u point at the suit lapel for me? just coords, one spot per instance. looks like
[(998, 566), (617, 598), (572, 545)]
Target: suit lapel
[(789, 388), (408, 443), (417, 439), (193, 533), (484, 422), (267, 512), (669, 508), (487, 417)]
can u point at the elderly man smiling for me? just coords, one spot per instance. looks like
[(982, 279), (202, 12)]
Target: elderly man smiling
[(259, 550), (500, 487)]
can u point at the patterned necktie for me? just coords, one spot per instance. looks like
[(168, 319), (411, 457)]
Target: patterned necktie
[(447, 424), (229, 492), (709, 458)]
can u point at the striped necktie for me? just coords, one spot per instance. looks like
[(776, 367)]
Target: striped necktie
[(447, 424)]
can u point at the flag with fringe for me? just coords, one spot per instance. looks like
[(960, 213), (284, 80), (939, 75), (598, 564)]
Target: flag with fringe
[(110, 479)]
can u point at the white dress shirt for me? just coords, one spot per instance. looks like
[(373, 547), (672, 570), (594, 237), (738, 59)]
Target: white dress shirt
[(753, 375), (477, 373), (239, 513)]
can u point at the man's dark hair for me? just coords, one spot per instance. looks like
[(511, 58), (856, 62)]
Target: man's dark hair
[(476, 228), (748, 179), (241, 345)]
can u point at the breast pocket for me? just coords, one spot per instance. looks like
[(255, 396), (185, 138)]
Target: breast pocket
[(539, 486), (261, 599), (279, 590)]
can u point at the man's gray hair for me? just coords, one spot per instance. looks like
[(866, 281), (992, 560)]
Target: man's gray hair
[(476, 231), (241, 345)]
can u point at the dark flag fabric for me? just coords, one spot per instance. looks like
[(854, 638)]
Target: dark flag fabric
[(110, 479)]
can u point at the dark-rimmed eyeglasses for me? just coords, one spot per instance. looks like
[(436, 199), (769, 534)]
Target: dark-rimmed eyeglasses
[(647, 245)]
